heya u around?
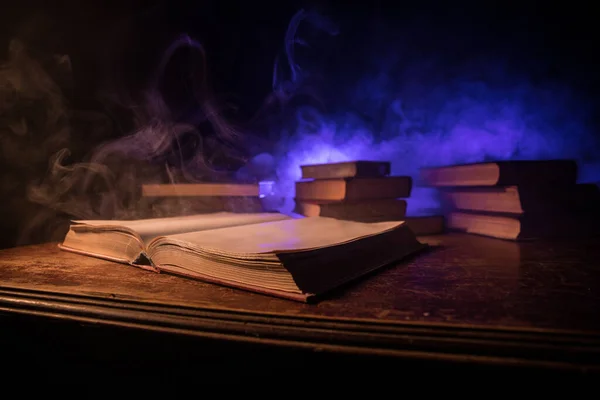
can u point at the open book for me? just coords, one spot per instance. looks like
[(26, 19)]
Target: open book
[(270, 253)]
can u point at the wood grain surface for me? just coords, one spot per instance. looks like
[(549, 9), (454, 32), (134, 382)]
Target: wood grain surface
[(463, 279), (469, 300)]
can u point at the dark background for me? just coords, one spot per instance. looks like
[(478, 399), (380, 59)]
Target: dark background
[(114, 48), (119, 43)]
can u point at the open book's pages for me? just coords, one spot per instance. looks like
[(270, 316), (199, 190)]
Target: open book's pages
[(292, 258), (297, 257), (125, 241)]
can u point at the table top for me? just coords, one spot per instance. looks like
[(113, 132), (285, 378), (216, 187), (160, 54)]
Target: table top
[(464, 286)]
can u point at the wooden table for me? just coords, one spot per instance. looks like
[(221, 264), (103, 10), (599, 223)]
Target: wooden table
[(470, 302)]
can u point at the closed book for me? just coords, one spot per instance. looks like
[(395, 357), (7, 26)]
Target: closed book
[(350, 169), (522, 199), (527, 226), (347, 189), (502, 173), (390, 209), (200, 189)]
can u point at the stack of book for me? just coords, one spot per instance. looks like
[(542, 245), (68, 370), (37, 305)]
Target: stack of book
[(360, 191), (516, 200)]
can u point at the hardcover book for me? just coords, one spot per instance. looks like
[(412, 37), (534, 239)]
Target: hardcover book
[(270, 253)]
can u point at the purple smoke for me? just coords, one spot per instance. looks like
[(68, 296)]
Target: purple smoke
[(337, 95), (418, 113)]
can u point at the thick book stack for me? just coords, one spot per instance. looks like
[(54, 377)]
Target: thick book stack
[(516, 200), (361, 191)]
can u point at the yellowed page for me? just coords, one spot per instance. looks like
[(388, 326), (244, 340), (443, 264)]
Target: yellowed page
[(151, 228), (287, 235)]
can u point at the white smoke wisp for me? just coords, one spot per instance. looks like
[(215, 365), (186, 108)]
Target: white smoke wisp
[(32, 109), (104, 181)]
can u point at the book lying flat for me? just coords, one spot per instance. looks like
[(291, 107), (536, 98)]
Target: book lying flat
[(392, 209), (348, 189), (268, 253), (350, 169), (526, 226), (200, 189), (522, 199), (502, 173)]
